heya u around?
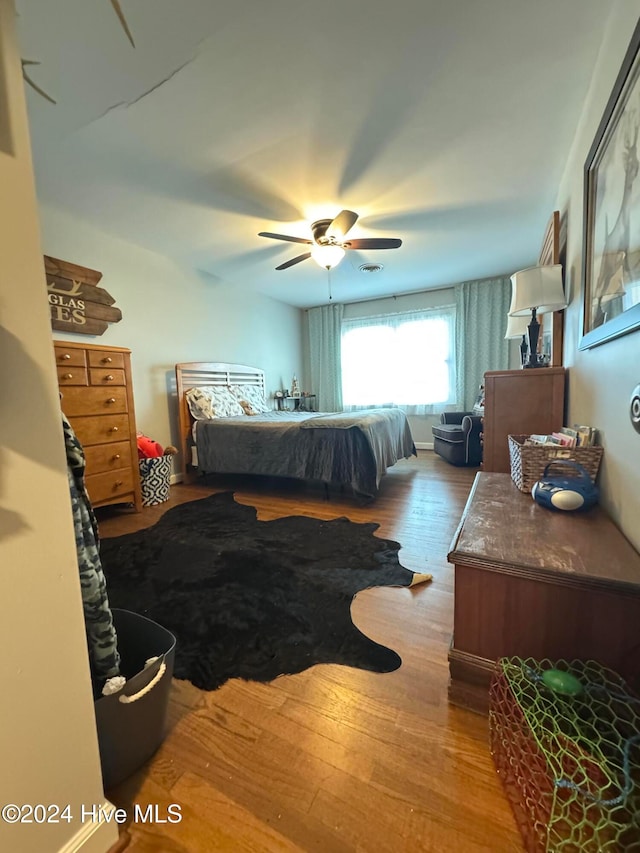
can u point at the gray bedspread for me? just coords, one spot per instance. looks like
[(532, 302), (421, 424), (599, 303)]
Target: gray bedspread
[(347, 449)]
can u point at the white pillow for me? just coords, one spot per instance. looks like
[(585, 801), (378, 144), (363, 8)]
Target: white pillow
[(251, 398), (212, 401)]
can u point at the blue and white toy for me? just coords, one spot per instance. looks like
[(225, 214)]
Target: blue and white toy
[(566, 492)]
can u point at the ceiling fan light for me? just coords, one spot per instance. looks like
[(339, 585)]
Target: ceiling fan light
[(327, 257)]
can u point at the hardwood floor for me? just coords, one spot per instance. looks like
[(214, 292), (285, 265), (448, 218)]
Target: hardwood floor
[(335, 759)]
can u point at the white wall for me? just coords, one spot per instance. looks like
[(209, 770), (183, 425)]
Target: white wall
[(48, 744), (171, 314), (601, 379)]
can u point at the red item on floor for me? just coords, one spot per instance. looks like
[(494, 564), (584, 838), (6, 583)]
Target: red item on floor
[(148, 448)]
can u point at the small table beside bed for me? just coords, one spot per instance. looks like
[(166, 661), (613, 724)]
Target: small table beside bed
[(346, 449)]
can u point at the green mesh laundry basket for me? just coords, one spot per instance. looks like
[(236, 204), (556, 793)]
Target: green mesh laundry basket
[(569, 762)]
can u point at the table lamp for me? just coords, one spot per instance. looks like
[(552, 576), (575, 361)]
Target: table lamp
[(518, 327), (536, 290)]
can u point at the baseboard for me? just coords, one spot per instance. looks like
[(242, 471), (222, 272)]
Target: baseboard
[(175, 478), (470, 677), (95, 836)]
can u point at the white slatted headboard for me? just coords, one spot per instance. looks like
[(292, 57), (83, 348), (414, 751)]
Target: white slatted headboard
[(195, 374)]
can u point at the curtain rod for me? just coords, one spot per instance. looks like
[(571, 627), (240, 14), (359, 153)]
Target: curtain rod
[(416, 292)]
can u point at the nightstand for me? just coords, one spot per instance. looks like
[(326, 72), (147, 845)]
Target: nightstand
[(300, 404)]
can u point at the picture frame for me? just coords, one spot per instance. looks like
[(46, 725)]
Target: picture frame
[(546, 339), (611, 241), (478, 406), (552, 325)]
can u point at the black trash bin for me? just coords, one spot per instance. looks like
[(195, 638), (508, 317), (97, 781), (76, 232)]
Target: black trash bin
[(131, 723)]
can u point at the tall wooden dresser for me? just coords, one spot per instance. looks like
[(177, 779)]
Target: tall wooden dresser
[(519, 402), (97, 398)]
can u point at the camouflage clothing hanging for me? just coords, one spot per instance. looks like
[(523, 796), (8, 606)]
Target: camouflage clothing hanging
[(101, 635)]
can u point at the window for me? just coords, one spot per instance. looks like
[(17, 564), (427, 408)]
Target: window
[(402, 360)]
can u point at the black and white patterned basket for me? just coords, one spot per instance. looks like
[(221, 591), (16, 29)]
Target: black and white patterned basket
[(155, 475)]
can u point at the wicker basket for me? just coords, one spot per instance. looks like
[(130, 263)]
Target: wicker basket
[(528, 461)]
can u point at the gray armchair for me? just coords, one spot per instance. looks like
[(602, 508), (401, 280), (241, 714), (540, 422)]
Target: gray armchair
[(457, 438)]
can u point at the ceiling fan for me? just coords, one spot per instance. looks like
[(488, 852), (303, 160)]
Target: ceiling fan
[(328, 243)]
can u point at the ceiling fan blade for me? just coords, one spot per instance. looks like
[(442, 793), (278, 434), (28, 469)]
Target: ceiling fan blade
[(343, 222), (284, 237), (293, 261), (374, 243)]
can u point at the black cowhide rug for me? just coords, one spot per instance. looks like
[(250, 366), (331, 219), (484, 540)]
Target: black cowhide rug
[(253, 599)]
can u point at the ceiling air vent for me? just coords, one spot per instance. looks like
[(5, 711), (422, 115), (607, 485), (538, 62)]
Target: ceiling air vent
[(371, 267)]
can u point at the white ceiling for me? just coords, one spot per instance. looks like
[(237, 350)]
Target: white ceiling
[(444, 122)]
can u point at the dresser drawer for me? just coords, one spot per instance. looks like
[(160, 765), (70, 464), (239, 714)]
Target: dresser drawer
[(105, 376), (93, 401), (104, 358), (100, 430), (69, 356), (103, 488), (108, 457), (97, 396), (72, 375)]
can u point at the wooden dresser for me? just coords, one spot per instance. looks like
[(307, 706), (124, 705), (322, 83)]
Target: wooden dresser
[(519, 402), (530, 582), (97, 398)]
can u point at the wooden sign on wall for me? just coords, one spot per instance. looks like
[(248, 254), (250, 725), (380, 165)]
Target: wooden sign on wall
[(76, 303)]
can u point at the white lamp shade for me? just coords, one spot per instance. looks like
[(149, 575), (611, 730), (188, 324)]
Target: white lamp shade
[(539, 288), (517, 326), (327, 256)]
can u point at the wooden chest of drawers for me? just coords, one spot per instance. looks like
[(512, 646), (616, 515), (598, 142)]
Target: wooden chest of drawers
[(97, 398), (534, 583), (518, 402)]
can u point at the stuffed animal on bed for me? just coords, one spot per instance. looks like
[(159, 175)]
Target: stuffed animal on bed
[(147, 447)]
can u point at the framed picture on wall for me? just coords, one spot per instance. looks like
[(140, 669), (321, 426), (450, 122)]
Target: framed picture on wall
[(546, 338), (550, 342), (611, 244), (478, 406)]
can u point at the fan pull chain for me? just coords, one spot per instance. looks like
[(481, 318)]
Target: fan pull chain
[(329, 283)]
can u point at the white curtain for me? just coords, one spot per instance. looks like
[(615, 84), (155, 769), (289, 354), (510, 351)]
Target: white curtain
[(405, 360), (325, 325)]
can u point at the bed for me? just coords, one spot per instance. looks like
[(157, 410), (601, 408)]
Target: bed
[(343, 449)]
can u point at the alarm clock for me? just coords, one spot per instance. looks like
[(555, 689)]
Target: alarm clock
[(566, 491)]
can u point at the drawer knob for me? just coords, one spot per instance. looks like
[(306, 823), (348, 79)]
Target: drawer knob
[(68, 376), (115, 456), (66, 356), (114, 429), (111, 400), (117, 484), (107, 359), (108, 378)]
